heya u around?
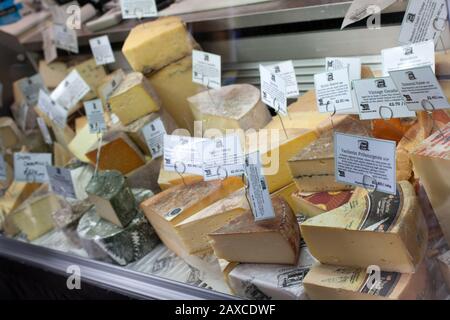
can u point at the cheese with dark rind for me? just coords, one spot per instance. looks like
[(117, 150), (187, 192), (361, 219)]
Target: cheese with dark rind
[(315, 203)]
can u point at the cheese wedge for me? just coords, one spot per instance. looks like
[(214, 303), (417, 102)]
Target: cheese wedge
[(61, 156), (174, 85), (285, 193), (10, 135), (92, 74), (146, 176), (168, 179), (444, 266), (171, 207), (80, 122), (236, 106), (269, 241), (52, 74), (63, 136), (108, 84), (82, 143), (378, 229), (327, 282), (315, 203), (153, 45), (133, 98)]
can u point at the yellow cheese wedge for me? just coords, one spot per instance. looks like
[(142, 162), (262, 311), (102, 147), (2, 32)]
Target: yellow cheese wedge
[(133, 98), (52, 74), (10, 135), (153, 45), (378, 229), (92, 74), (168, 179), (108, 84), (286, 193), (82, 143)]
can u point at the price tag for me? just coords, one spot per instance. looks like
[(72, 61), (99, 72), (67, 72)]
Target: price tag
[(257, 188), (29, 87), (222, 158), (286, 71), (333, 91), (138, 9), (65, 38), (52, 109), (420, 89), (379, 99), (2, 169), (61, 182), (70, 91), (48, 45), (273, 90), (183, 154), (423, 20), (352, 64), (44, 130), (31, 167), (94, 113), (112, 85), (407, 57), (365, 162), (102, 51), (154, 137), (360, 9), (206, 69)]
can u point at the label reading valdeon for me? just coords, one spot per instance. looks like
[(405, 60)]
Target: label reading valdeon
[(44, 130), (154, 137), (102, 51), (31, 167), (94, 113), (48, 45), (423, 20), (379, 99), (257, 188), (65, 38), (223, 157), (406, 57), (286, 71), (333, 90), (206, 69), (420, 89), (365, 162), (273, 90), (52, 109), (29, 87), (353, 65), (70, 91), (138, 9), (61, 182), (183, 154), (2, 169)]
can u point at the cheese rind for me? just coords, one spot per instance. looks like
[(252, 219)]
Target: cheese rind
[(286, 193), (313, 204)]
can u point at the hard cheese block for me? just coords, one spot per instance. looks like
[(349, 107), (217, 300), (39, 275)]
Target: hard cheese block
[(444, 266), (194, 230), (133, 98), (82, 143), (431, 160), (268, 241), (10, 135), (168, 179), (313, 204), (146, 176), (327, 282), (117, 152), (171, 207), (174, 85), (377, 229), (153, 45), (63, 136), (236, 106), (92, 74), (61, 155), (286, 193), (52, 74), (108, 84)]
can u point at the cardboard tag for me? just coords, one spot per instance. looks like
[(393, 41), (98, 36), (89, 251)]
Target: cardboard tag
[(206, 69), (138, 9), (273, 90), (379, 99), (183, 154), (44, 130), (65, 38), (31, 167), (258, 191), (30, 88), (48, 45), (94, 113), (61, 182), (365, 162), (154, 137), (333, 90), (420, 89), (286, 71), (352, 64), (2, 169), (52, 109), (102, 51), (70, 91)]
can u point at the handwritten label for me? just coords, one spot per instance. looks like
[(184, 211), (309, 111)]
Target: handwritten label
[(44, 130), (65, 38), (138, 9), (333, 90), (61, 182), (273, 90), (94, 113), (183, 154), (31, 167), (102, 51), (286, 71), (70, 91), (206, 69)]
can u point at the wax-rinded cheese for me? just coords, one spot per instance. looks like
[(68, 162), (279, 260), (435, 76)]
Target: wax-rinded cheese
[(170, 207), (328, 282), (431, 160), (113, 199), (194, 230), (377, 229), (286, 193), (92, 74), (230, 107), (133, 98), (271, 281), (146, 177), (52, 74), (168, 179), (269, 241), (82, 143), (117, 152), (108, 84), (153, 45), (61, 156), (10, 135), (315, 203), (174, 85), (444, 266)]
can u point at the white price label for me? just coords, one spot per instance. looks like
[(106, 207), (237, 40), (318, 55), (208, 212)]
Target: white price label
[(102, 51), (31, 167), (48, 45), (420, 89), (286, 71), (273, 90), (379, 99), (29, 87), (61, 182), (206, 69), (333, 91), (406, 57), (138, 9), (260, 201), (154, 136), (183, 154), (223, 157), (44, 130), (424, 20), (70, 91), (65, 38), (112, 85), (365, 162), (2, 169), (352, 64), (94, 113), (52, 109)]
